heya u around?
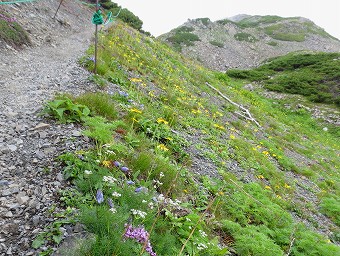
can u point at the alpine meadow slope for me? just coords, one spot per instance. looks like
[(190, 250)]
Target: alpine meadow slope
[(170, 166), (184, 167)]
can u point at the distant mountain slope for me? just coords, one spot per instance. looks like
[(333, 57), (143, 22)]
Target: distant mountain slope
[(315, 75), (245, 41)]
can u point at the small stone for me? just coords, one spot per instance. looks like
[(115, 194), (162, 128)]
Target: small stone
[(12, 148), (4, 183), (36, 220), (76, 133), (41, 126), (13, 206), (60, 177), (9, 251), (42, 135), (9, 214), (22, 199)]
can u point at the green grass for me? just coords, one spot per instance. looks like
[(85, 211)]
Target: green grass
[(218, 44), (282, 32), (181, 38), (164, 113), (12, 33), (245, 37), (255, 21)]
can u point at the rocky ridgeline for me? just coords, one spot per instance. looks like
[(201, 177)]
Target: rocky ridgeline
[(246, 41)]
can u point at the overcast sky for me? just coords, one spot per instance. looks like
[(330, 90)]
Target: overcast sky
[(160, 16)]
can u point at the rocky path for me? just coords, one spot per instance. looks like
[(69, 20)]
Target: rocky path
[(29, 177)]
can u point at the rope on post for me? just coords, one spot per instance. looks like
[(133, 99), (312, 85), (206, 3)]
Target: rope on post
[(97, 18), (17, 2)]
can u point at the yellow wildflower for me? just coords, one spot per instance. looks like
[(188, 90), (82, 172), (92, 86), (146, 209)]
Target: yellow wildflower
[(162, 120), (278, 196), (286, 185), (162, 147), (267, 187), (260, 177), (219, 126), (196, 111), (135, 110), (232, 136), (266, 153), (106, 163), (135, 80)]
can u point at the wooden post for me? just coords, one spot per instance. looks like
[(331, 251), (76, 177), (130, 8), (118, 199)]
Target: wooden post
[(61, 1), (96, 42)]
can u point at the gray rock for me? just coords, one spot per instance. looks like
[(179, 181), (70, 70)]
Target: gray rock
[(9, 214), (76, 133), (41, 126), (12, 148), (22, 199)]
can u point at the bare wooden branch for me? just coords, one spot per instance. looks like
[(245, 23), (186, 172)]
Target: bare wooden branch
[(246, 114)]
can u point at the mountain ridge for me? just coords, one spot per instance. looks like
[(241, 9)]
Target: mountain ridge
[(248, 41)]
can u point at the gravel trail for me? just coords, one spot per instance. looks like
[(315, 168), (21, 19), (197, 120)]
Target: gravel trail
[(29, 176)]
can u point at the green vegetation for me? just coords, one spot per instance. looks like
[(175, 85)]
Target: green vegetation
[(157, 138), (64, 110), (181, 37), (125, 15), (184, 29), (281, 32), (255, 21), (218, 44), (205, 21), (315, 75), (245, 37), (273, 43), (225, 21), (12, 33)]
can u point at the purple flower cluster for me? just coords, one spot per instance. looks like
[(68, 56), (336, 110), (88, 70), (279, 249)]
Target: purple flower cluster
[(122, 168), (141, 236), (99, 196), (5, 18)]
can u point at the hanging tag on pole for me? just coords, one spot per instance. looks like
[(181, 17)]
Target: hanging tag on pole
[(96, 36)]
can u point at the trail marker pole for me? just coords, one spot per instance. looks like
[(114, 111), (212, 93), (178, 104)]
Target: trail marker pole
[(96, 42), (61, 1)]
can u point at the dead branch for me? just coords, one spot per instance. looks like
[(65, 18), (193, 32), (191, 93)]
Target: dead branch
[(245, 112)]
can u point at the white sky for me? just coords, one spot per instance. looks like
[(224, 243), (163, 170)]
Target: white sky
[(161, 16)]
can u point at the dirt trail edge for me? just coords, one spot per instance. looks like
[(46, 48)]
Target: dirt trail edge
[(29, 177)]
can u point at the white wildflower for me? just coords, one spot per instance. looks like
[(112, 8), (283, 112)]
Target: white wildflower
[(116, 194), (201, 246), (151, 205), (113, 210), (87, 172), (144, 201), (109, 179), (202, 233), (161, 175), (138, 213), (160, 198)]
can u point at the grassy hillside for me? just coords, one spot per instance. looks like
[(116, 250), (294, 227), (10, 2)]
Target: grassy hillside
[(176, 171), (11, 32), (315, 75)]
